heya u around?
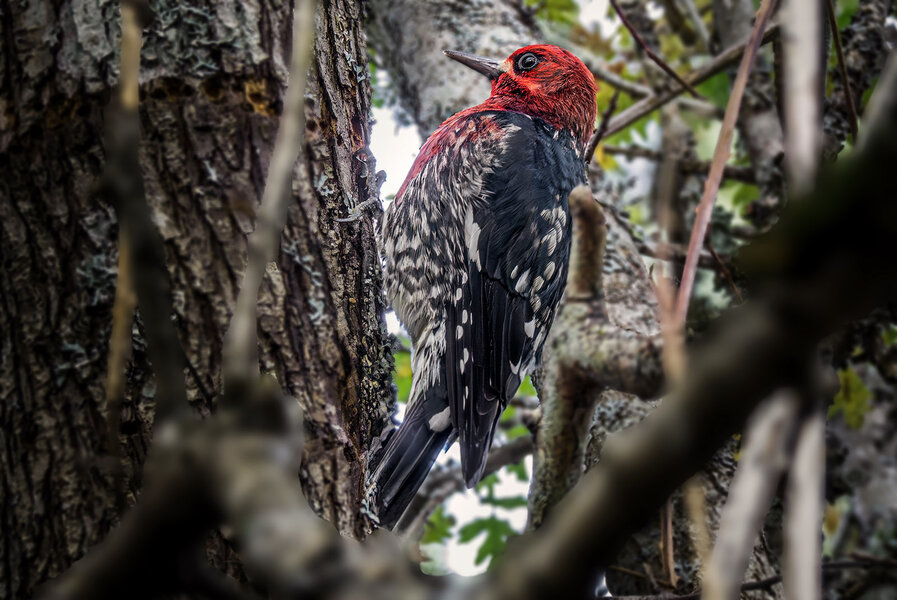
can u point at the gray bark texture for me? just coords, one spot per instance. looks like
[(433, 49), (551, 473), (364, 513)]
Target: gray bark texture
[(410, 35), (865, 52), (212, 79)]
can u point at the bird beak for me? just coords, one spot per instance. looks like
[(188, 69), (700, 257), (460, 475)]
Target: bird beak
[(487, 66)]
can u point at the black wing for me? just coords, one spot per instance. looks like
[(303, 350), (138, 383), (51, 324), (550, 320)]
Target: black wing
[(516, 250)]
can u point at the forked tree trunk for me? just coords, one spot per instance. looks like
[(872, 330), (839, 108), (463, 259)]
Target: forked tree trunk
[(212, 79)]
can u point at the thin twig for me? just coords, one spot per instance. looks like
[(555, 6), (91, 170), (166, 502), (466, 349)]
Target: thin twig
[(241, 342), (842, 68), (640, 90), (802, 80), (764, 458), (724, 270), (602, 126), (720, 156), (648, 105), (804, 511), (123, 187), (686, 165), (697, 21), (119, 353), (654, 57)]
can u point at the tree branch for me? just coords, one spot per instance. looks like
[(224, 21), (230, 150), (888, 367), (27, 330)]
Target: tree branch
[(123, 186), (686, 165), (720, 156), (764, 458), (720, 62), (651, 54), (441, 484)]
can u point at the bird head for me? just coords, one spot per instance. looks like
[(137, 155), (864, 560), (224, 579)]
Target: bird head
[(541, 81)]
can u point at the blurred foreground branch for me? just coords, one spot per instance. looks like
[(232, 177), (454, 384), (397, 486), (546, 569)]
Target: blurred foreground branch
[(241, 343)]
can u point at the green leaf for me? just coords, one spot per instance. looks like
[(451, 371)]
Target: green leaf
[(403, 375), (509, 503), (497, 533), (846, 10), (716, 89), (508, 414), (519, 470), (889, 335), (852, 400), (526, 388), (438, 528), (563, 12), (488, 483), (516, 431)]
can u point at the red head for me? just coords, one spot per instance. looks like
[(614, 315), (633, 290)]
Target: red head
[(542, 81)]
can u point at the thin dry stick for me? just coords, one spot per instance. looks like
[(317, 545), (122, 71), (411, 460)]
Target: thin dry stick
[(842, 68), (802, 80), (648, 105), (119, 352), (720, 156), (686, 165), (725, 271), (602, 127), (654, 57), (697, 21), (125, 298), (803, 512), (764, 458), (241, 343)]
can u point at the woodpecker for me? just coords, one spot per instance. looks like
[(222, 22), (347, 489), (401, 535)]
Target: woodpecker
[(476, 246)]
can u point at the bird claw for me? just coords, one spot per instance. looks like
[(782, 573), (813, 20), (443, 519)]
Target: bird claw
[(358, 211)]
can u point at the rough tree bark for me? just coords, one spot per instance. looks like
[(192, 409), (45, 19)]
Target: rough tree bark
[(212, 78), (409, 37)]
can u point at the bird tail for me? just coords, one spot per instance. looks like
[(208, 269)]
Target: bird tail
[(407, 458)]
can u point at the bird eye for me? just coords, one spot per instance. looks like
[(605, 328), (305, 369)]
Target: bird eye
[(527, 62)]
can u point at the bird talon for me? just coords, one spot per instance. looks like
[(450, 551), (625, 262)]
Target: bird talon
[(357, 212)]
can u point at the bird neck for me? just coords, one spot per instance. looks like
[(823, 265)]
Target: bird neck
[(566, 111)]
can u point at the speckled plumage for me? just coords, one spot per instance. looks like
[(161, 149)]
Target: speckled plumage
[(476, 246)]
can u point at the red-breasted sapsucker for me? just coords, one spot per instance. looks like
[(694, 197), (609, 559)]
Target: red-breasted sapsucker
[(476, 246)]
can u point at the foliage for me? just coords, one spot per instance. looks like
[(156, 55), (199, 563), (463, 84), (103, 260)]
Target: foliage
[(402, 375), (438, 528), (852, 400), (561, 12), (497, 532)]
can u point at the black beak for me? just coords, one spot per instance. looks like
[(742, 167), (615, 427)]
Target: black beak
[(486, 66)]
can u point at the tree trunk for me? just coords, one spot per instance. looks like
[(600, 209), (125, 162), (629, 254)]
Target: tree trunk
[(410, 35), (212, 79)]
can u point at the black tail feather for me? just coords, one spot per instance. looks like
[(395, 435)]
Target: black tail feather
[(407, 459)]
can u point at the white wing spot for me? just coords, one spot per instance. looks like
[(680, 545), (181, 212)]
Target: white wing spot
[(549, 270), (458, 293), (530, 328), (522, 282), (464, 316), (440, 420), (459, 332), (538, 282)]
